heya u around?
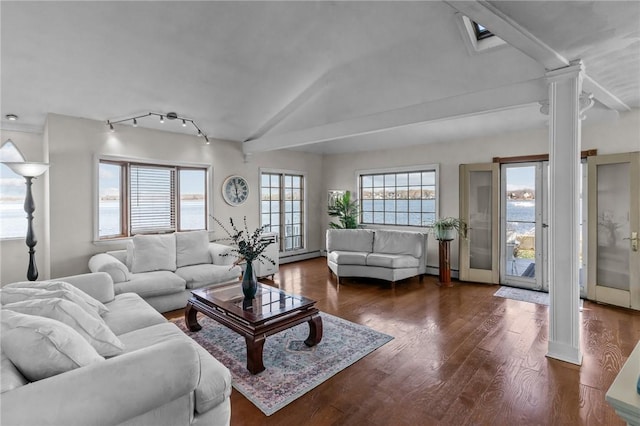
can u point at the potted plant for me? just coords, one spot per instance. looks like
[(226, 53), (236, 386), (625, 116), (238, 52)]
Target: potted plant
[(346, 210), (446, 228), (248, 246)]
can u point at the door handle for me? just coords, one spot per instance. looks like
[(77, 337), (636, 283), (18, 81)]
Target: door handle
[(634, 241)]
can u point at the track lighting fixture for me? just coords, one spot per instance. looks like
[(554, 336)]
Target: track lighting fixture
[(170, 116)]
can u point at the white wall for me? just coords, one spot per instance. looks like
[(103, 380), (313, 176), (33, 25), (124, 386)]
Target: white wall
[(74, 142), (340, 171), (64, 214)]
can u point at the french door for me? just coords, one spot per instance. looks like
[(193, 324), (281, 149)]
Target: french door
[(523, 228), (614, 206), (479, 208)]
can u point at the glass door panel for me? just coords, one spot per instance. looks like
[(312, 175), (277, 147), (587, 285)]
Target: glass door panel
[(612, 268), (614, 206), (480, 220), (520, 222)]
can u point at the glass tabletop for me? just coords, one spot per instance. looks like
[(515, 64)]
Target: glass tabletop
[(269, 302)]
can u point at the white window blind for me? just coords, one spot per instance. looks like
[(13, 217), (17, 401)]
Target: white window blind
[(152, 195)]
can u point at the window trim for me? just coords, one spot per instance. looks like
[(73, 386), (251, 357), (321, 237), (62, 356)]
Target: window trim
[(305, 207), (402, 169), (125, 189)]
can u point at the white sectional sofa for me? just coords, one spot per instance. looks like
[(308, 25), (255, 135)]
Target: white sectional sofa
[(164, 269), (56, 369), (376, 253)]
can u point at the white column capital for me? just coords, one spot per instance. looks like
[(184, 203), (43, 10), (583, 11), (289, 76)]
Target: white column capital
[(575, 70)]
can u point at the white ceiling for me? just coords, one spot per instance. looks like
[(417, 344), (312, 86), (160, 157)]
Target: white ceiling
[(318, 76)]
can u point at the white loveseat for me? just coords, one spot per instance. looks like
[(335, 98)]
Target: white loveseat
[(376, 253), (151, 374), (164, 269)]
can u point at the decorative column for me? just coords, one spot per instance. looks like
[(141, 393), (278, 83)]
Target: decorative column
[(565, 89)]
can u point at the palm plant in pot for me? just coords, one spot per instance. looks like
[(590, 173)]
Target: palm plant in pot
[(346, 210), (446, 228)]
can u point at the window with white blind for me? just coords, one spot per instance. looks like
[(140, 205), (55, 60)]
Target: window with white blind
[(282, 207), (136, 198)]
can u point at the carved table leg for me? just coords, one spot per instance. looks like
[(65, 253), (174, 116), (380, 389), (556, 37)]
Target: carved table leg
[(190, 318), (254, 354), (315, 330)]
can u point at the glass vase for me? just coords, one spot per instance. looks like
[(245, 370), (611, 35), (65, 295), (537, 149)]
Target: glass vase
[(249, 282)]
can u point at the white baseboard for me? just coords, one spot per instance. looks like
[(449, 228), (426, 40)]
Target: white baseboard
[(302, 256)]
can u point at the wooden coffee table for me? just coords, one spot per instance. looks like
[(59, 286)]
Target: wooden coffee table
[(271, 311)]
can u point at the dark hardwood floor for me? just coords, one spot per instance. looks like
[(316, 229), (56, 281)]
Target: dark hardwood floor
[(460, 356)]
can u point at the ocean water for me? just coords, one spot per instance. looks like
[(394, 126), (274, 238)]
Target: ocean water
[(520, 215)]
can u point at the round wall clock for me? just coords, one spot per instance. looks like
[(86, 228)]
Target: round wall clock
[(235, 190)]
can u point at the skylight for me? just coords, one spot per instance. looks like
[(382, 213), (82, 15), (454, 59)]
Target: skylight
[(477, 38), (481, 32)]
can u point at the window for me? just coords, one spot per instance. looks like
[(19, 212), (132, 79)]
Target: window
[(13, 190), (405, 198), (282, 208), (481, 32), (136, 198)]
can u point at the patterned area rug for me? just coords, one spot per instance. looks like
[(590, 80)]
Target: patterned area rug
[(523, 295), (292, 368)]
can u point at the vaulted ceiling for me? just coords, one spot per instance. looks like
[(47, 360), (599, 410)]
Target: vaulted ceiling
[(319, 76)]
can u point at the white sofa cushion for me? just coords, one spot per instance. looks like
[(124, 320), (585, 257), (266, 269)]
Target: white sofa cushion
[(349, 240), (197, 276), (153, 253), (398, 242), (94, 330), (53, 285), (18, 294), (130, 312), (385, 260), (11, 377), (192, 248), (41, 347), (215, 383), (155, 283), (348, 257)]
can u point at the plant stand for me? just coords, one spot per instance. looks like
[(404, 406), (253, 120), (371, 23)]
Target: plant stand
[(444, 267)]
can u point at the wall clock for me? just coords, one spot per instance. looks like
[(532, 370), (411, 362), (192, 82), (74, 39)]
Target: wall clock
[(235, 190)]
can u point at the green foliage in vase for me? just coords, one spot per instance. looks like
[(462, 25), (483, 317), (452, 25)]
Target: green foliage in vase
[(246, 245), (346, 210)]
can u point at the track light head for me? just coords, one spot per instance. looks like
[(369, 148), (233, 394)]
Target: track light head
[(135, 123), (199, 133), (162, 118), (111, 127), (184, 123)]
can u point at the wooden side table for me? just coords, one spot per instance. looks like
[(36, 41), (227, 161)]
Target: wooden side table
[(444, 266)]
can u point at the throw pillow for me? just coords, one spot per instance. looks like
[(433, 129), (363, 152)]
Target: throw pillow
[(13, 295), (192, 248), (98, 306), (41, 347), (94, 331), (11, 377), (153, 253)]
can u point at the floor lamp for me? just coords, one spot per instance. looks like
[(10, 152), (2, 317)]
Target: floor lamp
[(29, 171)]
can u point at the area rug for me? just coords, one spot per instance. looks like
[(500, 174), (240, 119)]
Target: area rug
[(523, 295), (292, 368)]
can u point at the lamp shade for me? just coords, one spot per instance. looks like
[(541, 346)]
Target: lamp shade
[(28, 169)]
